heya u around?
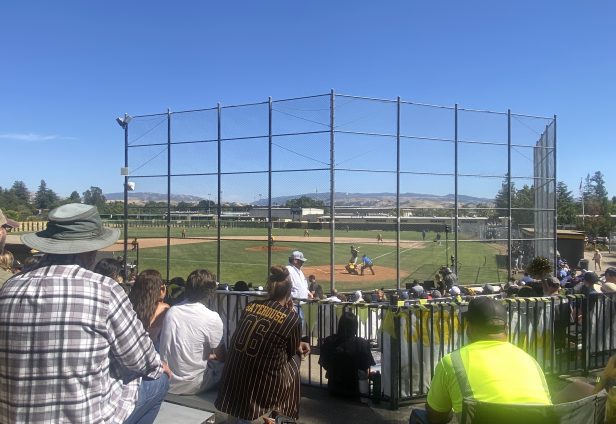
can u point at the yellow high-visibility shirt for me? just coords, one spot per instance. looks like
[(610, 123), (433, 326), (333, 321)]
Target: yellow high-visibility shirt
[(496, 371)]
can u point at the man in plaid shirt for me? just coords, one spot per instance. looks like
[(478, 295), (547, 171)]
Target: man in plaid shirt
[(71, 346)]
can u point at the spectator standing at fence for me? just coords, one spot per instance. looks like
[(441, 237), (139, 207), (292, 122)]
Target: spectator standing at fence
[(346, 358), (93, 362), (449, 278), (261, 373), (191, 338), (300, 286), (489, 369), (609, 286), (148, 298), (597, 259)]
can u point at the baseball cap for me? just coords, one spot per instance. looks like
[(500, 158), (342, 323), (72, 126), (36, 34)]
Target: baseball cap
[(486, 312), (454, 291), (590, 277), (611, 271), (298, 255), (6, 222)]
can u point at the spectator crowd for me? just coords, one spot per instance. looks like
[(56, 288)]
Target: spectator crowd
[(88, 342)]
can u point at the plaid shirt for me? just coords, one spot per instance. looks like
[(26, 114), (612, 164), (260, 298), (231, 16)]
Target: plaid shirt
[(71, 348)]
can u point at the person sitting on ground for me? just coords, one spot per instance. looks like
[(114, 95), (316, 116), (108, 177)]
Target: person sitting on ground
[(261, 374), (147, 296), (489, 369), (346, 358), (72, 348), (191, 338)]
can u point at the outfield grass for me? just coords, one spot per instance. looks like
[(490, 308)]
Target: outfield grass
[(234, 231), (241, 259)]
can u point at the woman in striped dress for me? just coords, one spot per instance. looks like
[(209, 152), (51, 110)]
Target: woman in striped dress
[(261, 373)]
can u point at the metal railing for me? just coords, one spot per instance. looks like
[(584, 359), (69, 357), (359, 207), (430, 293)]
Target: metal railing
[(565, 334)]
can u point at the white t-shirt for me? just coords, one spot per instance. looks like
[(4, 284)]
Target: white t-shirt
[(190, 332), (300, 286)]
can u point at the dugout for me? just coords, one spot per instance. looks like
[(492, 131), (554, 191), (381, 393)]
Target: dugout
[(570, 244)]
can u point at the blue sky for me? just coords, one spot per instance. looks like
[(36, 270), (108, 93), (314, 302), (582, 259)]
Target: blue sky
[(70, 68)]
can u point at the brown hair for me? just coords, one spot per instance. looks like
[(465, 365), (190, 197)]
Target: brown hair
[(200, 284), (278, 283), (145, 294), (6, 261)]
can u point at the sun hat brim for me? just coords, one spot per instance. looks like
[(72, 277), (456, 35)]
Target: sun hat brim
[(67, 247)]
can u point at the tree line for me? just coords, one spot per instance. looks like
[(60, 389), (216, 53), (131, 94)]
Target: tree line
[(18, 203), (591, 215)]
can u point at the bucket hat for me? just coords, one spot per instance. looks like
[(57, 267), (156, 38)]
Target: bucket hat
[(72, 228)]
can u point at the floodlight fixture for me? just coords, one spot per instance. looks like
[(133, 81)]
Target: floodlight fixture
[(123, 122)]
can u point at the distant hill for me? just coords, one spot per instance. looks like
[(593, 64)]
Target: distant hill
[(144, 197), (376, 200), (384, 199)]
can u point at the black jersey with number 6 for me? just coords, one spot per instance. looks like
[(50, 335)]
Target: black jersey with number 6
[(261, 372)]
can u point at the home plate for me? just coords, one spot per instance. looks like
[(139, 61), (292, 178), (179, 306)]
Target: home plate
[(173, 413)]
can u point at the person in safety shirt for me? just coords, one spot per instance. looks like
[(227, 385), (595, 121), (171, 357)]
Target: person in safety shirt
[(488, 369)]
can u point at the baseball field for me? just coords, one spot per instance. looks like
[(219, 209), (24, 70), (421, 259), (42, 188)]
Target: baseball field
[(244, 251)]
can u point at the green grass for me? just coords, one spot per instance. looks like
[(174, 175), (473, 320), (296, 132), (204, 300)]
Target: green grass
[(477, 261)]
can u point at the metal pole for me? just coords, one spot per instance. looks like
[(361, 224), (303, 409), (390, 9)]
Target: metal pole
[(332, 188), (509, 244), (269, 191), (125, 125), (168, 191), (456, 192), (555, 207), (219, 206), (398, 196)]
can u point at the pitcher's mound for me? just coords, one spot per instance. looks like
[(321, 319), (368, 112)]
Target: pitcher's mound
[(382, 273)]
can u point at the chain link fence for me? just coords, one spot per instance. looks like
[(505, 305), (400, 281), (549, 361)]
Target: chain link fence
[(415, 187)]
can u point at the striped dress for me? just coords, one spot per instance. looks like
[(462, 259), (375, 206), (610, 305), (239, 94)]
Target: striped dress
[(261, 372)]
